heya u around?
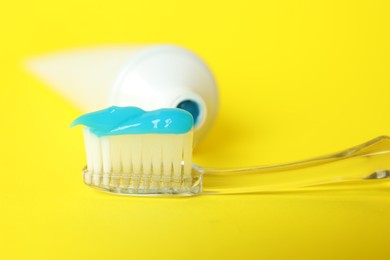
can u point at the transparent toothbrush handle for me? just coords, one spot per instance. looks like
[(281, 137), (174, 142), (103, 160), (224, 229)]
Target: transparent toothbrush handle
[(367, 161)]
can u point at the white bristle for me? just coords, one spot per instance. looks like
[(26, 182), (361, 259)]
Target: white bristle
[(105, 146), (126, 162), (115, 154), (89, 150), (176, 161), (140, 163), (167, 159), (136, 156), (156, 154), (187, 159), (147, 144), (96, 158)]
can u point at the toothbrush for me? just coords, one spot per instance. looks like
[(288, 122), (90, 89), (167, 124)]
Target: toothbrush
[(134, 152)]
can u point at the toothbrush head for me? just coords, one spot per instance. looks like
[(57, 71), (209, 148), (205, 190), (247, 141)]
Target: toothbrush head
[(133, 152)]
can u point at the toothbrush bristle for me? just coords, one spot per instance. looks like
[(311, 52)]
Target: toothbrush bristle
[(139, 164)]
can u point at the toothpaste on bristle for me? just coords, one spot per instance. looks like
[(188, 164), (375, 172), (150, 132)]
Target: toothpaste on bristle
[(134, 151)]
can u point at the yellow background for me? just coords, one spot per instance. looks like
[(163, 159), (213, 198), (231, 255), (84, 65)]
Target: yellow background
[(297, 79)]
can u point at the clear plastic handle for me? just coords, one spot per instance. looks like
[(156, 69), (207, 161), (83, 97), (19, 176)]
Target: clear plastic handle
[(367, 161)]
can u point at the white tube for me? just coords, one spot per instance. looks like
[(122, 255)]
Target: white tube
[(147, 77)]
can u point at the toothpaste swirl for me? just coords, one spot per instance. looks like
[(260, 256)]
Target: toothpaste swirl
[(116, 120)]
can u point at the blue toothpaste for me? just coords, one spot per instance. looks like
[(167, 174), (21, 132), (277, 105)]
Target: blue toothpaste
[(116, 120)]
